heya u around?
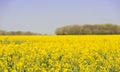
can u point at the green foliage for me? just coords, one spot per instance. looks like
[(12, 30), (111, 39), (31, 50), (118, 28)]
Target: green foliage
[(2, 32), (88, 29)]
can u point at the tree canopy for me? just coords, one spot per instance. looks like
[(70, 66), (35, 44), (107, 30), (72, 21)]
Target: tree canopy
[(88, 29)]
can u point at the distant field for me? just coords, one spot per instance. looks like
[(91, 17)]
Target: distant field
[(84, 53)]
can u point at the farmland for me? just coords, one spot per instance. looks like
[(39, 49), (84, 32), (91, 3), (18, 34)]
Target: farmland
[(80, 53)]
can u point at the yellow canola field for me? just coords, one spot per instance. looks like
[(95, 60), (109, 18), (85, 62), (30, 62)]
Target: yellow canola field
[(85, 53)]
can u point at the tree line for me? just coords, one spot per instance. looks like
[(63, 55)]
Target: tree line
[(88, 29), (3, 32), (85, 29)]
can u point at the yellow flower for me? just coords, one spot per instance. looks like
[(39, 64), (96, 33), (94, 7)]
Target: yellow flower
[(60, 53), (14, 71), (20, 64), (5, 70)]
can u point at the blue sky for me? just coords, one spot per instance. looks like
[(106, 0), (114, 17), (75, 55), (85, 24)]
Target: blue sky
[(44, 16)]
